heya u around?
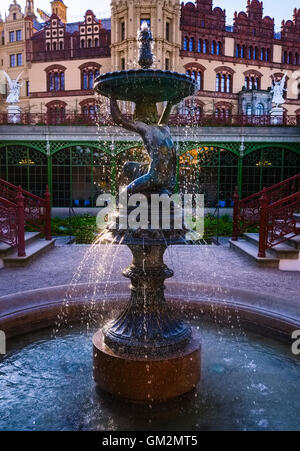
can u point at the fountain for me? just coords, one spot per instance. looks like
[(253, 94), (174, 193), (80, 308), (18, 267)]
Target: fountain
[(147, 354)]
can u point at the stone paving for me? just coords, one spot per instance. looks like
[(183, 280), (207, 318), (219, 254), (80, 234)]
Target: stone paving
[(208, 264)]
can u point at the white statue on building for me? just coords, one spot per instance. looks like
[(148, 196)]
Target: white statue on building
[(278, 91), (14, 88)]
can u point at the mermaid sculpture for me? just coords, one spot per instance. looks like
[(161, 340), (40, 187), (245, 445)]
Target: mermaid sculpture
[(160, 177)]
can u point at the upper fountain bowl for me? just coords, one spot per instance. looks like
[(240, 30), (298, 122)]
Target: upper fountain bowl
[(146, 85)]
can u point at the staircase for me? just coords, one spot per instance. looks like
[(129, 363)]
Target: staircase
[(275, 211), (18, 209)]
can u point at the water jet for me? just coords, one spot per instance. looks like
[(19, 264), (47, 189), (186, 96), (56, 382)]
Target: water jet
[(147, 353)]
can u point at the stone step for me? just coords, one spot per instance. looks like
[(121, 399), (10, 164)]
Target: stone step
[(33, 250), (6, 249), (295, 242), (250, 249), (283, 251)]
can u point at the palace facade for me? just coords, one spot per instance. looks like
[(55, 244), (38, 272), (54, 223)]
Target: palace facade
[(234, 65)]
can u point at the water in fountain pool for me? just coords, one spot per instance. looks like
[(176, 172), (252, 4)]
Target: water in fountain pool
[(248, 383)]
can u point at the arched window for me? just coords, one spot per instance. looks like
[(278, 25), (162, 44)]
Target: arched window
[(290, 58), (268, 55), (243, 51), (89, 73), (55, 78), (190, 107), (84, 80), (250, 53), (260, 110), (252, 79), (96, 42), (238, 51), (191, 45), (213, 47), (56, 111), (219, 48), (223, 110), (262, 54), (54, 46), (205, 46), (89, 108), (218, 82), (48, 47), (249, 109), (285, 57), (61, 45), (255, 53), (89, 43), (223, 82), (228, 83), (224, 79), (82, 43), (185, 44), (200, 45), (196, 73), (199, 80), (91, 79)]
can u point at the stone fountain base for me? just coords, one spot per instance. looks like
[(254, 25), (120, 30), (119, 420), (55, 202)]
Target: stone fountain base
[(146, 380), (147, 354)]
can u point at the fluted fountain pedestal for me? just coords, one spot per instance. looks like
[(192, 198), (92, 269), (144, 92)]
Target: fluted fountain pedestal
[(147, 354)]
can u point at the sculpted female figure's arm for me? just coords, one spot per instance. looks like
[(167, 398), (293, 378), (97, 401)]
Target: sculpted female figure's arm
[(133, 126)]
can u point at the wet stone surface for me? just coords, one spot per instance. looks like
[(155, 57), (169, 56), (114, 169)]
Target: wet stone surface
[(214, 265)]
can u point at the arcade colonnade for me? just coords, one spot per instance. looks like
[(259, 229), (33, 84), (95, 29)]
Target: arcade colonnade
[(77, 172)]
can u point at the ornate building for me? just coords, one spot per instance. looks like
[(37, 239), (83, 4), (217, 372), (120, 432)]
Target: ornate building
[(234, 65), (227, 59), (12, 49)]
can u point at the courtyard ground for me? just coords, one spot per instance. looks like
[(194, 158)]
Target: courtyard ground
[(213, 265)]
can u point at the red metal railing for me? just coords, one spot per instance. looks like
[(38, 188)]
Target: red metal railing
[(19, 207), (247, 211), (277, 221), (8, 222), (176, 120)]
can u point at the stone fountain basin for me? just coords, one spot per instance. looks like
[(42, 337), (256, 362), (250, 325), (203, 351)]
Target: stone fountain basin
[(22, 313), (146, 85)]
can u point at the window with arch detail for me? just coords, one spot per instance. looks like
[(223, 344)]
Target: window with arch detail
[(252, 82), (260, 110), (196, 74), (89, 73), (224, 82), (89, 108), (56, 112), (55, 78)]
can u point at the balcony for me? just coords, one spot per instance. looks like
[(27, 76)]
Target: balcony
[(176, 120)]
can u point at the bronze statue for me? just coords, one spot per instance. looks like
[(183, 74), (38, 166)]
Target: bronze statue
[(161, 175)]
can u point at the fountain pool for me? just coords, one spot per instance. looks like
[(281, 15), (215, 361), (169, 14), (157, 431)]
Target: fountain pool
[(249, 383)]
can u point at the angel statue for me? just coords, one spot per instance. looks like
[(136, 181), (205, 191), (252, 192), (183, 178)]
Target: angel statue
[(278, 90), (14, 88)]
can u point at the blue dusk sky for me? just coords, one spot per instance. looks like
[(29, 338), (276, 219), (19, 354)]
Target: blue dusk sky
[(274, 8)]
